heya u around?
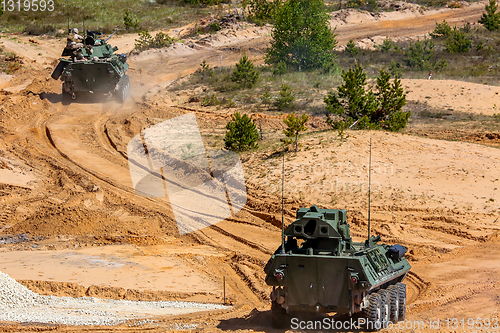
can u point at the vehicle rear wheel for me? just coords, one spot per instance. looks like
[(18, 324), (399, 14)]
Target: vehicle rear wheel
[(123, 89), (373, 312), (394, 303), (279, 317), (385, 304), (402, 300)]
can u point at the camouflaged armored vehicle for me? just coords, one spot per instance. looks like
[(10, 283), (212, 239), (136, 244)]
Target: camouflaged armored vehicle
[(95, 69), (322, 270)]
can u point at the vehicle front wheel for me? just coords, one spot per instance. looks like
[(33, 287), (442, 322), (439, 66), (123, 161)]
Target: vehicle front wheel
[(394, 303), (373, 313), (402, 300), (123, 89)]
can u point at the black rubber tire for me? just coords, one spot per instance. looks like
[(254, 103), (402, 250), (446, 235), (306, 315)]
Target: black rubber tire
[(372, 313), (402, 300), (123, 89), (394, 303), (385, 306), (279, 317)]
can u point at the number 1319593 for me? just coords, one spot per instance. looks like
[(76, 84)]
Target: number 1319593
[(27, 5)]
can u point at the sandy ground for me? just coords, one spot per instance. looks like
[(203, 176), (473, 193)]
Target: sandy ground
[(65, 182), (128, 266), (455, 96)]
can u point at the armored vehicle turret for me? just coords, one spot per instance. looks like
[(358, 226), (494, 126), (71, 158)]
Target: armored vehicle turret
[(95, 68), (322, 270)]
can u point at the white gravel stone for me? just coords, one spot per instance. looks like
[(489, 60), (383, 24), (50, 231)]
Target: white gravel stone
[(19, 304)]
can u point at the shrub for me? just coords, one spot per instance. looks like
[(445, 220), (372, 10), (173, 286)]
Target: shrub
[(466, 27), (372, 5), (146, 41), (9, 62), (418, 55), (395, 68), (229, 103), (457, 42), (397, 121), (241, 133), (351, 100), (441, 29), (371, 110), (386, 45), (210, 100), (301, 36), (280, 68), (441, 64), (295, 125), (351, 48), (266, 97), (454, 4), (205, 70), (214, 26), (260, 11), (355, 3), (39, 29), (129, 21), (391, 99), (245, 73), (286, 98), (341, 125), (491, 19)]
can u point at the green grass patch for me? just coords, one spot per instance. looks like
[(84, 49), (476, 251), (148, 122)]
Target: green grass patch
[(308, 87), (479, 65), (104, 16)]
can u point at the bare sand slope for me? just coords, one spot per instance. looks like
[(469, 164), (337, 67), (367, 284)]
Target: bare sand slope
[(455, 95)]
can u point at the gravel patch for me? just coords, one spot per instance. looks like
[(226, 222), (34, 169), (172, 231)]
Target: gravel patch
[(19, 304)]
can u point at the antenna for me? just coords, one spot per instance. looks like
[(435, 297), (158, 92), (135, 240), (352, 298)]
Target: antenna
[(67, 10), (369, 189), (83, 21), (283, 204)]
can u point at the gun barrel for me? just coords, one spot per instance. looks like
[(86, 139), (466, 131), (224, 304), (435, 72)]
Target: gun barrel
[(110, 35)]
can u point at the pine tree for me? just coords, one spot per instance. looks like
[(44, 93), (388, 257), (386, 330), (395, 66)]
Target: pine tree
[(301, 37), (245, 73), (241, 133), (351, 48), (351, 100), (491, 19), (286, 98), (391, 99), (295, 125), (458, 42), (129, 21), (418, 54)]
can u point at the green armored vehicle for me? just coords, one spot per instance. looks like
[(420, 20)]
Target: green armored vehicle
[(321, 270), (95, 68)]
